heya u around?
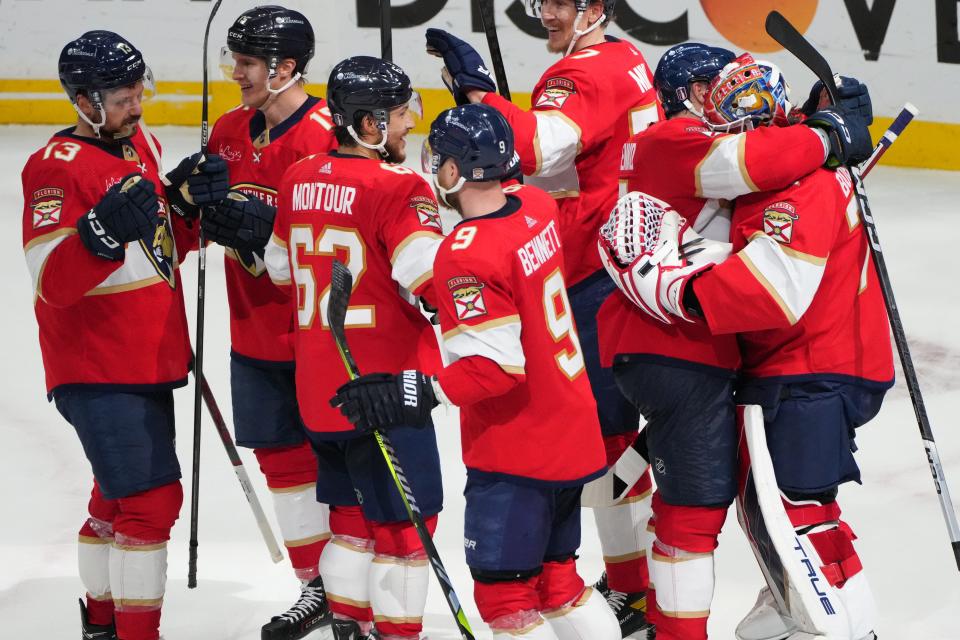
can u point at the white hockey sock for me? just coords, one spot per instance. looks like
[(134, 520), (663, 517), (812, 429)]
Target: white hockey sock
[(589, 617), (684, 581), (398, 593), (138, 573), (303, 522), (93, 558), (622, 529), (345, 568)]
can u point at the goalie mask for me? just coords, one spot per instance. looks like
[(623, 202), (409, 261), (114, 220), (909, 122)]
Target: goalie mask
[(747, 93)]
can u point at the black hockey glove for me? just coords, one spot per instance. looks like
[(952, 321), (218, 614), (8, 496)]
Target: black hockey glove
[(197, 181), (464, 65), (129, 211), (848, 136), (241, 222), (383, 400), (854, 98)]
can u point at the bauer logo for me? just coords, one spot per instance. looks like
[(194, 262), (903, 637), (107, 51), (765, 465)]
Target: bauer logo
[(469, 544), (47, 203)]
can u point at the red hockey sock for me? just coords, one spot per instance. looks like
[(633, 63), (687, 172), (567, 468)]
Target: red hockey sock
[(99, 612), (138, 625)]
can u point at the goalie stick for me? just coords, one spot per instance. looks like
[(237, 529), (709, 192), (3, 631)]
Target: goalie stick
[(201, 299), (780, 29), (341, 285), (493, 43)]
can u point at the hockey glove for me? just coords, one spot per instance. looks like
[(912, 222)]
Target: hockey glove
[(129, 211), (239, 222), (197, 181), (465, 69), (854, 98), (847, 136), (379, 401)]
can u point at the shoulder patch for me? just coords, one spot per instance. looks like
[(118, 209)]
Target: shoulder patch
[(467, 294), (779, 219), (47, 203), (556, 91), (427, 211)]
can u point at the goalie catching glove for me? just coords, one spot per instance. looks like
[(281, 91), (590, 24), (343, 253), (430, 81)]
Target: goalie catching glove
[(652, 258), (378, 401)]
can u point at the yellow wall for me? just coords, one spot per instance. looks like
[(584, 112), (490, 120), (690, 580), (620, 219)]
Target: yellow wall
[(924, 144)]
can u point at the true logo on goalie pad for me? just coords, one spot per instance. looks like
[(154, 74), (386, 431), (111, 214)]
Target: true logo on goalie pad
[(778, 221), (467, 294), (47, 203)]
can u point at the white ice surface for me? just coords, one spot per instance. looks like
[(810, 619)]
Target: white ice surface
[(45, 479)]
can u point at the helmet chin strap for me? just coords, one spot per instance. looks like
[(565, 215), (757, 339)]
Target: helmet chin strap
[(577, 33), (380, 147), (442, 193), (293, 80), (94, 125)]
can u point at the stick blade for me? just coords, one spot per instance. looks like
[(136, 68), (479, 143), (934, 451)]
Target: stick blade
[(780, 29)]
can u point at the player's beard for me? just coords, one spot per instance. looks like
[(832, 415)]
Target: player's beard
[(125, 130), (396, 151)]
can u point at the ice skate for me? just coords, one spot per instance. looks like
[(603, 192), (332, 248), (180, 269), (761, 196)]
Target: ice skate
[(630, 608), (307, 614), (95, 631)]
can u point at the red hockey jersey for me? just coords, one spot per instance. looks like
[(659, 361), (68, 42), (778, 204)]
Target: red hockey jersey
[(380, 220), (102, 322), (698, 172), (261, 322), (584, 108), (801, 289), (502, 297)]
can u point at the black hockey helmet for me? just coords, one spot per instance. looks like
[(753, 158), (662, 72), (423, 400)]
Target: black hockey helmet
[(97, 61), (273, 33), (683, 64), (364, 84), (477, 137)]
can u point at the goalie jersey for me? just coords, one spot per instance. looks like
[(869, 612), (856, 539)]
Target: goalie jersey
[(801, 290), (584, 108), (698, 172), (381, 221), (102, 322), (261, 322), (507, 324)]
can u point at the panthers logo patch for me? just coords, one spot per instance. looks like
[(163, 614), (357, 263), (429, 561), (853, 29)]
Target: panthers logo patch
[(779, 219), (467, 294), (47, 203)]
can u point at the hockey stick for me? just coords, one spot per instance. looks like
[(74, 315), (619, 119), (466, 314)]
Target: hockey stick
[(783, 32), (262, 523), (201, 300), (889, 136), (386, 31), (341, 285), (493, 43)]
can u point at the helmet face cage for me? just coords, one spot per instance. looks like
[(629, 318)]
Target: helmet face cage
[(746, 94)]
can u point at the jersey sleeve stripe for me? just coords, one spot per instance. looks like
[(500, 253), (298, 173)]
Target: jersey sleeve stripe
[(277, 260), (413, 259), (103, 290), (137, 272), (556, 142), (497, 340), (39, 249), (722, 173), (853, 213), (791, 279), (642, 117)]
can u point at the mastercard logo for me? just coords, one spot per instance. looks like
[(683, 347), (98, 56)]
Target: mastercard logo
[(741, 23)]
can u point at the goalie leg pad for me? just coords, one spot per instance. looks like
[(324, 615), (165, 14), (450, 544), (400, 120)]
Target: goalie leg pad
[(345, 564), (681, 566)]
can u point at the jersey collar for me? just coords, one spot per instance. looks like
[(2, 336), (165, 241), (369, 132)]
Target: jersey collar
[(510, 208), (258, 123)]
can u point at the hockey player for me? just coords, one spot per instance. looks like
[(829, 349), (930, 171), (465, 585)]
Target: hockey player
[(585, 106), (680, 375), (530, 434), (267, 53), (802, 295), (103, 254), (360, 205)]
